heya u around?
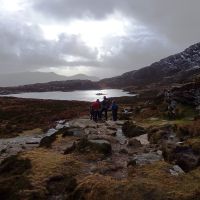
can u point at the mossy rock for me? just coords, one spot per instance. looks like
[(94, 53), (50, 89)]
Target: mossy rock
[(94, 146), (182, 156), (156, 137), (132, 130)]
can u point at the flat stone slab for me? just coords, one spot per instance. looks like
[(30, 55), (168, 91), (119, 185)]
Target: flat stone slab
[(147, 158)]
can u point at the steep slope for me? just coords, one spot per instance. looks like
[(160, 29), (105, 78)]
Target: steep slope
[(180, 67)]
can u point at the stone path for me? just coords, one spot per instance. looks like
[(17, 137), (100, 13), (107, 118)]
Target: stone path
[(115, 165)]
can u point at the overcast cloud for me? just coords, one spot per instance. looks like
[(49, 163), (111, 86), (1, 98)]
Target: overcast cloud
[(150, 31)]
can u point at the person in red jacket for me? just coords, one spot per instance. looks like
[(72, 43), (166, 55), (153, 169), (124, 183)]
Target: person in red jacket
[(95, 107)]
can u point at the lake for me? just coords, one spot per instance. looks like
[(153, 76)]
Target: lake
[(81, 95)]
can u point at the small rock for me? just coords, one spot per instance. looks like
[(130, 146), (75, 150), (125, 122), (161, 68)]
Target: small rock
[(159, 152), (176, 170)]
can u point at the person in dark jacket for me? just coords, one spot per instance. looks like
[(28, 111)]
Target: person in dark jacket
[(114, 108), (104, 107)]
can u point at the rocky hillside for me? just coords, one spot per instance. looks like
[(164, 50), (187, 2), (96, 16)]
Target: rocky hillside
[(181, 67)]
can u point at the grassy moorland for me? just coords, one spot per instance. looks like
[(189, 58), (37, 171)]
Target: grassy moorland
[(18, 115), (71, 167)]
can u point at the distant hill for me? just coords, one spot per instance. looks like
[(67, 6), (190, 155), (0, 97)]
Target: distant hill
[(26, 78), (64, 86), (178, 68), (83, 77)]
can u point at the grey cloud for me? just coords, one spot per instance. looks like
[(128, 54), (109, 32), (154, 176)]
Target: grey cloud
[(23, 48), (178, 20), (135, 54), (75, 8)]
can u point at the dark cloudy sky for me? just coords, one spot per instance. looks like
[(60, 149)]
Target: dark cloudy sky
[(102, 38)]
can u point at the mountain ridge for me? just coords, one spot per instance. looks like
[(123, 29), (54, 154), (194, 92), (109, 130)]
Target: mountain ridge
[(174, 68), (27, 78)]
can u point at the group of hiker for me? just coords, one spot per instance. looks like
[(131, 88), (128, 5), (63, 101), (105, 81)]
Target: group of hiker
[(98, 109)]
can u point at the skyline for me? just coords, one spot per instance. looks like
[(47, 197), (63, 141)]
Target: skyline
[(99, 38)]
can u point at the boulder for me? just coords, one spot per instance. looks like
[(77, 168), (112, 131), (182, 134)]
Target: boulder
[(132, 130), (162, 134), (146, 158), (97, 146), (182, 156)]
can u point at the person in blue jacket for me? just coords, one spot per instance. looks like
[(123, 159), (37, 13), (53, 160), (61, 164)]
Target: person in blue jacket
[(114, 109)]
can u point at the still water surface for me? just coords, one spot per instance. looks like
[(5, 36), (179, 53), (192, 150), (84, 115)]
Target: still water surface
[(86, 95)]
